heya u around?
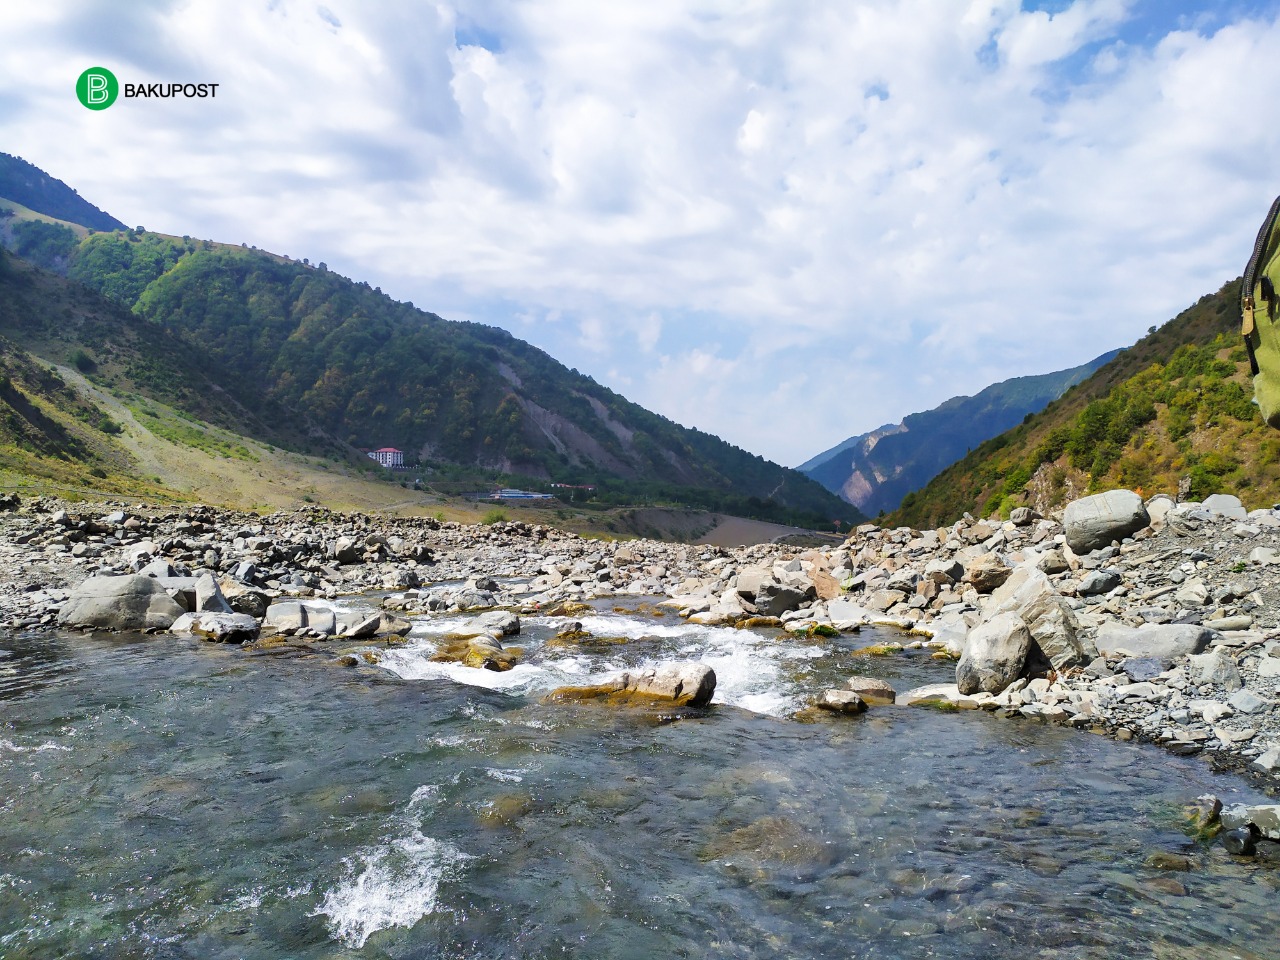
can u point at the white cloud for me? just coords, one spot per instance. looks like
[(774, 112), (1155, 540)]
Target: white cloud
[(822, 217)]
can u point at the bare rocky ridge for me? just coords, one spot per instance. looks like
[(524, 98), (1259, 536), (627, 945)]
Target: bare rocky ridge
[(1169, 634)]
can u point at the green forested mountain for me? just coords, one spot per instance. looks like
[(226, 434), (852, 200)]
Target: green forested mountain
[(30, 186), (325, 359), (1174, 409), (876, 470)]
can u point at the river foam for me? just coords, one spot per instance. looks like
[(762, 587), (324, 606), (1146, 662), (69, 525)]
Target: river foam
[(394, 884), (752, 669)]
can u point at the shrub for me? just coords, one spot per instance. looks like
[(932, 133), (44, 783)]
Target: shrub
[(494, 516), (83, 362)]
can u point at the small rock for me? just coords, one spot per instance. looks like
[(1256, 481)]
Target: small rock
[(1246, 701), (1239, 842), (841, 701)]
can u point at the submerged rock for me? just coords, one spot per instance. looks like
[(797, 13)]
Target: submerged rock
[(683, 684), (482, 652)]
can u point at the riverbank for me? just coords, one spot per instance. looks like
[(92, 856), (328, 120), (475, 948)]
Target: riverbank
[(1167, 633)]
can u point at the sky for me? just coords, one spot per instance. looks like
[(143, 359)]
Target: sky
[(785, 223)]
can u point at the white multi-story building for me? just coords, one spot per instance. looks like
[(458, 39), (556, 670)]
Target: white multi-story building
[(388, 457)]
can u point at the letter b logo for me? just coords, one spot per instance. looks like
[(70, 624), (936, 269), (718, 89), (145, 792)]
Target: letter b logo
[(97, 88)]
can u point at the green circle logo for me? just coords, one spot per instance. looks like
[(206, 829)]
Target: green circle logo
[(97, 88)]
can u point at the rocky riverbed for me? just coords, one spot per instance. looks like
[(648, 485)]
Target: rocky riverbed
[(1156, 621)]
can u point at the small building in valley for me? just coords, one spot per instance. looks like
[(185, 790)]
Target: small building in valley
[(389, 457)]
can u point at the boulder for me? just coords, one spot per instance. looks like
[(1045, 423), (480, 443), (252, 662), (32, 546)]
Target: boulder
[(482, 652), (129, 602), (499, 623), (1098, 581), (217, 626), (773, 599), (1225, 505), (872, 689), (1214, 667), (1023, 516), (986, 572), (943, 572), (1163, 641), (841, 701), (1158, 509), (158, 568), (749, 581), (844, 611), (683, 684), (941, 694), (1052, 561), (994, 654), (291, 616), (356, 625), (209, 598), (243, 598), (1047, 615), (346, 550), (1263, 818), (1093, 522)]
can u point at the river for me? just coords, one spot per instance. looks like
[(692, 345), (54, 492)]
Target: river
[(162, 798)]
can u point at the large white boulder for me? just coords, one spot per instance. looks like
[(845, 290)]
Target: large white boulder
[(129, 602), (994, 654), (1048, 616), (1162, 641), (1093, 522)]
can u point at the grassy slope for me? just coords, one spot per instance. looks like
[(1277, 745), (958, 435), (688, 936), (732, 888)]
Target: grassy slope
[(1173, 409)]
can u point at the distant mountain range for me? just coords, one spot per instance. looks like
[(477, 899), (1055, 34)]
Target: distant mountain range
[(31, 187), (294, 353), (874, 471), (1172, 414)]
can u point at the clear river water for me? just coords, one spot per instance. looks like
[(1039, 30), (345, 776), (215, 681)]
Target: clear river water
[(163, 798)]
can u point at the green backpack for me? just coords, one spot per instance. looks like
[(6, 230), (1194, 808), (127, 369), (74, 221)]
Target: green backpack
[(1260, 316)]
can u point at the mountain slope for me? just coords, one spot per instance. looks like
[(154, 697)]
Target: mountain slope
[(876, 470), (375, 372), (307, 357), (1173, 411), (30, 186)]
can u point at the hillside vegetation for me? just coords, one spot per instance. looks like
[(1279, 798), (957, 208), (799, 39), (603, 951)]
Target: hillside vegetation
[(250, 343), (370, 372), (1172, 412)]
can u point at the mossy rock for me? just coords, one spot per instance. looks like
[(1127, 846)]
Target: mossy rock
[(880, 650), (482, 653), (569, 608), (759, 623), (584, 638), (942, 706), (820, 631)]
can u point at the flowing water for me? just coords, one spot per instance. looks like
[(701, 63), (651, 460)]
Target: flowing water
[(163, 798)]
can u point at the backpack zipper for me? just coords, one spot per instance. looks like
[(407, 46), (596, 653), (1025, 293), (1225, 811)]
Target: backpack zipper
[(1251, 269)]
